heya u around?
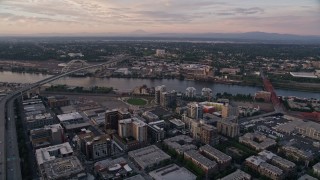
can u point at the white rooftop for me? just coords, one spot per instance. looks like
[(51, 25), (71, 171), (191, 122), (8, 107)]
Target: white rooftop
[(50, 153), (69, 116)]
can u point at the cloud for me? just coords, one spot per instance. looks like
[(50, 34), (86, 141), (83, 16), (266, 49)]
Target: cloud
[(161, 15)]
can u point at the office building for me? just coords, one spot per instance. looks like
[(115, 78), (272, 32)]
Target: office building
[(190, 92), (202, 162), (194, 110), (47, 136), (95, 147), (168, 99), (149, 156), (58, 101), (237, 175), (158, 91), (63, 168), (222, 159), (257, 141), (172, 172), (156, 131), (228, 128), (113, 116)]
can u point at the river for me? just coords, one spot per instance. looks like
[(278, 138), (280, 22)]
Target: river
[(124, 84)]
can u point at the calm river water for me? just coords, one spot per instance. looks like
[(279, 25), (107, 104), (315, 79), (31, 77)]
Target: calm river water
[(124, 84)]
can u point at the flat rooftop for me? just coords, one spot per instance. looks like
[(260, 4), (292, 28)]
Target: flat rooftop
[(238, 174), (218, 155), (172, 172), (148, 156), (201, 159), (52, 152), (69, 116), (63, 167)]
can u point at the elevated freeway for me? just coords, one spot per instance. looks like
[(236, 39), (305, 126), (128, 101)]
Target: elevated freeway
[(9, 153)]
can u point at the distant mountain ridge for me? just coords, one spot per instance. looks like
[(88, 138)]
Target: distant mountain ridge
[(250, 36)]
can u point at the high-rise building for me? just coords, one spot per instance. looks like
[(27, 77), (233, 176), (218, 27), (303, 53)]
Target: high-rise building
[(113, 116), (208, 134), (139, 130), (133, 127), (95, 147), (194, 110), (156, 130), (168, 99), (228, 127), (228, 111), (191, 92), (158, 91)]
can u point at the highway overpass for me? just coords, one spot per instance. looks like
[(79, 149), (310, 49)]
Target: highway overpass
[(10, 161)]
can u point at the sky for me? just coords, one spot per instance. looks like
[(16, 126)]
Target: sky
[(300, 17)]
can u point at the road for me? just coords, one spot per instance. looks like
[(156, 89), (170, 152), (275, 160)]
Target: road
[(9, 154), (13, 160)]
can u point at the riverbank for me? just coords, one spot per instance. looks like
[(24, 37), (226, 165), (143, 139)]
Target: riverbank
[(128, 84)]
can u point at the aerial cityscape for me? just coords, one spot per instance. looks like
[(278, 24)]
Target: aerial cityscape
[(165, 90)]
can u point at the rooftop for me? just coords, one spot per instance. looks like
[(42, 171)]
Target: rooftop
[(148, 156), (52, 152), (201, 159), (271, 168), (63, 167), (177, 122), (307, 177), (238, 174), (172, 172), (69, 116), (218, 155)]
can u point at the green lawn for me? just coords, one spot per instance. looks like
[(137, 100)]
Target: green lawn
[(137, 101)]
